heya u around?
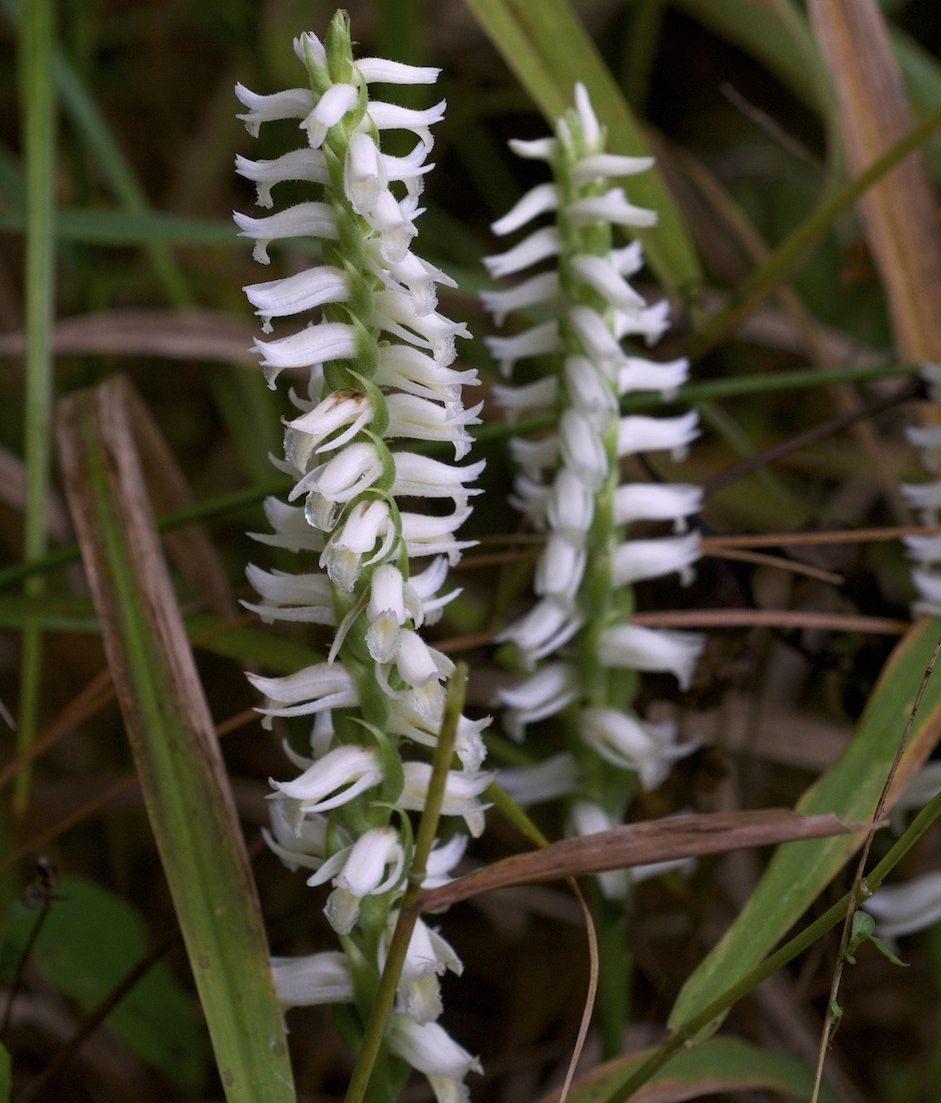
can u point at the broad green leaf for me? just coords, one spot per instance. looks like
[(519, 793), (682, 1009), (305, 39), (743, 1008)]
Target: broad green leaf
[(547, 47), (719, 1065), (155, 1018), (800, 871), (176, 753)]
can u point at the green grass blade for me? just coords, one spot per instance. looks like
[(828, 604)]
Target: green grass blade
[(720, 1065), (128, 228), (34, 61), (549, 50), (172, 736), (798, 872)]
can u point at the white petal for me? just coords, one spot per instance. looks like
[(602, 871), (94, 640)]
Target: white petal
[(538, 149), (582, 448), (603, 277), (554, 777), (908, 907), (428, 1048), (377, 70), (649, 434), (560, 568), (323, 978), (570, 506), (636, 374), (634, 647), (609, 164), (636, 560), (306, 165), (537, 201), (389, 116), (539, 245), (329, 110), (301, 220), (294, 103), (591, 128), (657, 502), (295, 294), (539, 340), (612, 207), (543, 288)]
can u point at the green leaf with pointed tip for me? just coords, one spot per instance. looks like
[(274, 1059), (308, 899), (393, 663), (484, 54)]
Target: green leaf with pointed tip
[(547, 47), (800, 871), (720, 1065)]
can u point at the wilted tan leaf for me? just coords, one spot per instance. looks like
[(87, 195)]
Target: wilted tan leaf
[(639, 844), (899, 212)]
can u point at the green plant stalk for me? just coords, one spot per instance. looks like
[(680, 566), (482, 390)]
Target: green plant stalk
[(764, 279), (201, 853), (34, 64), (692, 394), (832, 917), (408, 914)]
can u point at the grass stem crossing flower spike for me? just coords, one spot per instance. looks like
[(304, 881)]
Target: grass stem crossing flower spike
[(378, 361)]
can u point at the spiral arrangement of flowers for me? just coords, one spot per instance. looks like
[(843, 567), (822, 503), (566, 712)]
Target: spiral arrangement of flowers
[(578, 638), (379, 371)]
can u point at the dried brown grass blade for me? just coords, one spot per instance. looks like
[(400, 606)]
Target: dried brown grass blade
[(194, 334), (192, 550), (639, 844), (899, 212)]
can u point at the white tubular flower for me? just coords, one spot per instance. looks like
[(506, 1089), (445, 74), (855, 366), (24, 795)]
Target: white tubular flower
[(430, 1049), (647, 749), (461, 792), (428, 957), (380, 360), (294, 295), (636, 560), (569, 485), (294, 103), (335, 779), (908, 907), (301, 165), (588, 818), (371, 866), (652, 502), (302, 220), (554, 777), (308, 981), (651, 434), (290, 597), (651, 649), (543, 694)]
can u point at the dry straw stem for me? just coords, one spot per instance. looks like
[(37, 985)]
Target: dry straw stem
[(899, 211), (176, 753), (640, 844)]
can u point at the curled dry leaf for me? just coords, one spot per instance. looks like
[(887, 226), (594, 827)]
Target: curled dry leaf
[(640, 844)]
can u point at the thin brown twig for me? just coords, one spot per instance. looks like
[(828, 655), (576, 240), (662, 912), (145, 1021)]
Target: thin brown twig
[(779, 563), (858, 891), (118, 788), (810, 436), (770, 618), (813, 539)]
